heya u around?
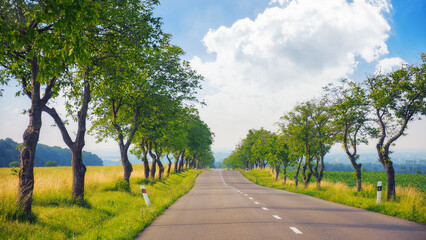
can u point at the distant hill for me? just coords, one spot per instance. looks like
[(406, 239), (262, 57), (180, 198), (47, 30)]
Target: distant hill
[(220, 156), (9, 153)]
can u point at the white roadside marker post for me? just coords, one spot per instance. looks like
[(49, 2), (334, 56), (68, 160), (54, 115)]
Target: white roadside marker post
[(379, 192), (145, 195)]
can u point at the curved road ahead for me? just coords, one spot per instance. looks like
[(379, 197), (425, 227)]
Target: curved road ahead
[(225, 205)]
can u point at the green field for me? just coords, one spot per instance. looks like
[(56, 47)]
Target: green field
[(401, 179), (410, 202), (111, 210)]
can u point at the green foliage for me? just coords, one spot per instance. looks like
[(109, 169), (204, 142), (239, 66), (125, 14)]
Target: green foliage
[(51, 164), (14, 164)]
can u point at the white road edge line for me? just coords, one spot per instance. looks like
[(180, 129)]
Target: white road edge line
[(264, 208), (278, 217), (295, 230)]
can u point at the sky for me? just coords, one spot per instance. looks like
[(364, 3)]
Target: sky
[(259, 58)]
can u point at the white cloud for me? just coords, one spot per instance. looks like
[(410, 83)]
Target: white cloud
[(387, 65), (264, 66)]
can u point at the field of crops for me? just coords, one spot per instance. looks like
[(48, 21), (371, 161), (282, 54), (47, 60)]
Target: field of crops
[(401, 179)]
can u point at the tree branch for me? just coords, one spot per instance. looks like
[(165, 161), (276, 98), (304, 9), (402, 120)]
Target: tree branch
[(48, 91), (65, 135)]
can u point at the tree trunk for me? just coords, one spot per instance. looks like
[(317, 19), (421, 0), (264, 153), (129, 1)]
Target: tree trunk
[(358, 178), (187, 162), (161, 168), (127, 166), (154, 161), (26, 159), (357, 167), (170, 165), (391, 181), (176, 156), (296, 175), (306, 177), (145, 158), (285, 174), (388, 164), (79, 172), (277, 170), (182, 157)]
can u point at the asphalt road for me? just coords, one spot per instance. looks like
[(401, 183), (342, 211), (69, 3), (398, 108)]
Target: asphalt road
[(225, 205)]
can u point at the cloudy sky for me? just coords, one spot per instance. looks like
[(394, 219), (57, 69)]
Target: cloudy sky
[(260, 57)]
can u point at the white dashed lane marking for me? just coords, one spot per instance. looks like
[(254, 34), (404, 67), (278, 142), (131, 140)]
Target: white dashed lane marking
[(264, 208), (295, 230), (256, 203), (276, 217)]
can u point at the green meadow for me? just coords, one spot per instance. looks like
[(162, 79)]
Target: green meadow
[(112, 209)]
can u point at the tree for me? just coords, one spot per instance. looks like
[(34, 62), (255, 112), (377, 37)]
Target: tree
[(308, 130), (38, 39), (397, 99), (323, 135), (349, 113), (133, 45)]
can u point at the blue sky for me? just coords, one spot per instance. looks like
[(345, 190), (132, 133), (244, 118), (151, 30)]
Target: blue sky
[(260, 58)]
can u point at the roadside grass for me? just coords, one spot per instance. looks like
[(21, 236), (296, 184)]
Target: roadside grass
[(112, 209), (409, 204)]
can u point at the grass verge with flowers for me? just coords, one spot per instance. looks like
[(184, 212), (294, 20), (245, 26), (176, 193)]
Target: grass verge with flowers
[(112, 209), (409, 204)]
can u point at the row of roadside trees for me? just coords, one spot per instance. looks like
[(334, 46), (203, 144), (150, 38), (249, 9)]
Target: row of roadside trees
[(348, 113), (114, 66)]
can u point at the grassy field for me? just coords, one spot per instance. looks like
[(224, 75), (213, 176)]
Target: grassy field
[(409, 204), (402, 179), (111, 211)]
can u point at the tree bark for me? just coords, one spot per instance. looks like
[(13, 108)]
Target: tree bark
[(296, 175), (170, 165), (79, 172), (187, 162), (182, 157), (124, 147), (391, 181), (306, 177), (158, 153), (145, 158), (26, 159), (127, 166), (176, 167), (277, 170), (285, 174), (154, 161)]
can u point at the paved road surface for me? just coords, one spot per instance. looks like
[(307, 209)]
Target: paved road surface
[(225, 205)]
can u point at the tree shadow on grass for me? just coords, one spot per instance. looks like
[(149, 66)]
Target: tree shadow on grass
[(62, 201)]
